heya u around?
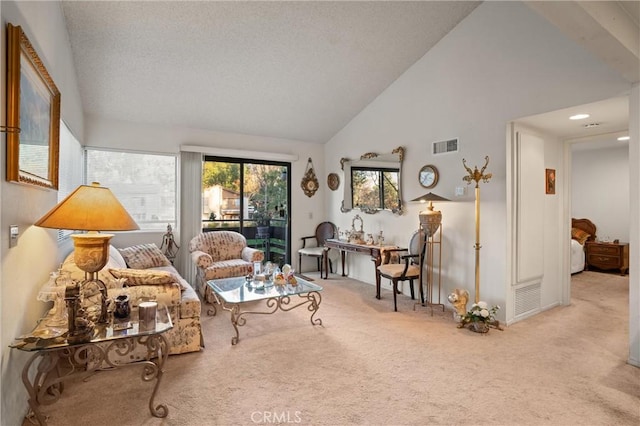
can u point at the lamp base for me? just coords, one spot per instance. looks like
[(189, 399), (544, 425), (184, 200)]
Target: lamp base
[(91, 251), (91, 289), (430, 220), (91, 254)]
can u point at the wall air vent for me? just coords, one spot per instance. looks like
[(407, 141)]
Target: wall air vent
[(444, 147), (527, 299)]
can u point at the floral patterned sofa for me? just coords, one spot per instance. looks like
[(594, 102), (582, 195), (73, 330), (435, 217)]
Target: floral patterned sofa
[(221, 254), (147, 274)]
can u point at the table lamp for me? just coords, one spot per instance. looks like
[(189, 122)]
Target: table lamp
[(90, 208), (430, 219)]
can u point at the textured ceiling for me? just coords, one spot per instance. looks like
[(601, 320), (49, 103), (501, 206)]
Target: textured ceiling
[(296, 70)]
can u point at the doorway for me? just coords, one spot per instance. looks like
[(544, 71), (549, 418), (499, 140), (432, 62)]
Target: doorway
[(609, 119), (251, 197)]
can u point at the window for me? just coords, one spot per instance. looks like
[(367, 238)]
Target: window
[(375, 188), (70, 169), (145, 184), (250, 197)]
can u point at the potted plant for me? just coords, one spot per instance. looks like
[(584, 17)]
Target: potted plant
[(480, 317), (262, 217)]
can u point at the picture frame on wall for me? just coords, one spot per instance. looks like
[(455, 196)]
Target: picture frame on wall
[(550, 181), (33, 114)]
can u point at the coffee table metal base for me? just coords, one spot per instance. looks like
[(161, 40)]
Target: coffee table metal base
[(274, 304)]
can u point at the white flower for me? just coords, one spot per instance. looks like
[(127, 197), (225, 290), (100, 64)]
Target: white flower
[(484, 313), (483, 305), (473, 306)]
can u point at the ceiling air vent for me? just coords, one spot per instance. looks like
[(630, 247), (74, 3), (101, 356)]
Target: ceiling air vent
[(444, 147)]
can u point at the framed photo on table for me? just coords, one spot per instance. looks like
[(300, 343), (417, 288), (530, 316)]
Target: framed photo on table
[(33, 115)]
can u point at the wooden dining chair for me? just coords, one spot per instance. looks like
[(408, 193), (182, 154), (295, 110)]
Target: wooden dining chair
[(324, 231), (408, 268)]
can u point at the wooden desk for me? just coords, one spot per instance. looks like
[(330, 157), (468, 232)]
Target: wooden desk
[(375, 252)]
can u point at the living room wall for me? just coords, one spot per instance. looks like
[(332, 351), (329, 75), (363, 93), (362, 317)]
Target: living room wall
[(26, 267), (502, 62)]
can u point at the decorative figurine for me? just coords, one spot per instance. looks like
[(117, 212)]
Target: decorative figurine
[(171, 247), (80, 328), (459, 299)]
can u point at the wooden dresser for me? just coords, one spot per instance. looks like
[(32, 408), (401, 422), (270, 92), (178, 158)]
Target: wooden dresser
[(608, 256)]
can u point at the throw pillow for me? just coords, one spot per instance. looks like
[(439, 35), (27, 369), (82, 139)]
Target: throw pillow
[(144, 256), (145, 277), (579, 235)]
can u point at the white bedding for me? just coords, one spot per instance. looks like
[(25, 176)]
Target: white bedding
[(577, 257)]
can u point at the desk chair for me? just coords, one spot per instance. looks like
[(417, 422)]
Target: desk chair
[(407, 269)]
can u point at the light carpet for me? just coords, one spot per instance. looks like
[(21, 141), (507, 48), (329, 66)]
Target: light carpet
[(369, 365)]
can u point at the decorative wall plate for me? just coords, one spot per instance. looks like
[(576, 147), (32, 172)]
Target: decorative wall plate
[(309, 182), (333, 181)]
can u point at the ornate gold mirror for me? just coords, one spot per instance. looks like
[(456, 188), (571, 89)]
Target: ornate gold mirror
[(374, 182)]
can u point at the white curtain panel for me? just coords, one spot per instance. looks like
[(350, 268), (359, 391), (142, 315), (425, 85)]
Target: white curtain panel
[(190, 210)]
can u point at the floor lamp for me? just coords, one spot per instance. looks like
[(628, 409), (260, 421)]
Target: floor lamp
[(476, 176), (430, 236)]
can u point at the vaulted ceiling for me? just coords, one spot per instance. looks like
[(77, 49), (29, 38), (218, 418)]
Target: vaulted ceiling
[(295, 70)]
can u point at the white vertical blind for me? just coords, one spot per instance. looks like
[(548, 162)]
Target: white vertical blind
[(70, 170)]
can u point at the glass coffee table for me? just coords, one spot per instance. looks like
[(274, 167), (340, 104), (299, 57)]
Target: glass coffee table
[(233, 293)]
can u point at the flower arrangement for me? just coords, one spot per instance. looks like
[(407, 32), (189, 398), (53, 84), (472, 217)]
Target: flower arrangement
[(480, 317)]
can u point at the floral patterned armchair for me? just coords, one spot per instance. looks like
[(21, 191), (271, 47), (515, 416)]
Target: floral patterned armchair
[(221, 254)]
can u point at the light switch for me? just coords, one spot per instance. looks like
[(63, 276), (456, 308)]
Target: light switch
[(461, 191), (14, 231)]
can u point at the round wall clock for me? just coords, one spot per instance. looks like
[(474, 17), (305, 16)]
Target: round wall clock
[(428, 176), (333, 181)]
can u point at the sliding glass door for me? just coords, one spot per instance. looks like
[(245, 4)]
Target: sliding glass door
[(250, 197)]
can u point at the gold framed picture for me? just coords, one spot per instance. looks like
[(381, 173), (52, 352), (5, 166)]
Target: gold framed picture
[(33, 115), (550, 181)]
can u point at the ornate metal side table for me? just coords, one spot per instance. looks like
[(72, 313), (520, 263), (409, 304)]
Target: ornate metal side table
[(55, 361), (232, 293)]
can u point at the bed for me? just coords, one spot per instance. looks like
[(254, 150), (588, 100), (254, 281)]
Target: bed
[(582, 230)]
